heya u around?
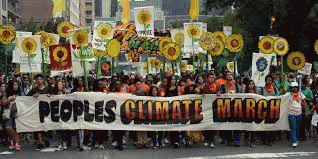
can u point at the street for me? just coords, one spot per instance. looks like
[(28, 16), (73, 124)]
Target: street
[(305, 150)]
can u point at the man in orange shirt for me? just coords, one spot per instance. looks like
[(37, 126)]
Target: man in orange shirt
[(222, 80)]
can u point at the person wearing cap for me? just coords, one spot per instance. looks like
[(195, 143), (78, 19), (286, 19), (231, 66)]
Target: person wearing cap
[(296, 104)]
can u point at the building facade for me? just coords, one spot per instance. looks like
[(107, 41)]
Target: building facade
[(90, 12), (14, 15), (3, 11), (38, 10), (73, 11)]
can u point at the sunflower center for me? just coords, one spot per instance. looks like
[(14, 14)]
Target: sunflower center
[(144, 17), (29, 45), (193, 32), (80, 39), (280, 46), (296, 61), (171, 51), (60, 54), (156, 63), (180, 39), (216, 47), (65, 29), (43, 39), (234, 43), (104, 31), (208, 41), (6, 34), (267, 45)]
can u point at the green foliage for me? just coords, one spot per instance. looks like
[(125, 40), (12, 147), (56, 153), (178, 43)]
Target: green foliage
[(296, 21)]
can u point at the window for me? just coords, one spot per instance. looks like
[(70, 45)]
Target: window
[(89, 12)]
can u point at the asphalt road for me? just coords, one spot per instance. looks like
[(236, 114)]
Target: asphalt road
[(305, 150)]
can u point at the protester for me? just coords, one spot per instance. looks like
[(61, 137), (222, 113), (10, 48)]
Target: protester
[(40, 136), (296, 105)]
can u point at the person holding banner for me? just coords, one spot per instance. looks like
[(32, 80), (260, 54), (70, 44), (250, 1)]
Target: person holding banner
[(173, 90), (268, 90), (64, 135), (250, 135), (13, 90), (157, 136), (40, 136), (297, 103), (99, 135), (231, 87), (209, 88)]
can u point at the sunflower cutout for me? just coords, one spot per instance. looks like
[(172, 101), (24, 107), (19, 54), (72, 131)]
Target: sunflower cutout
[(266, 45), (80, 38), (144, 17), (179, 38), (194, 31), (216, 48), (234, 43), (296, 60), (45, 38), (60, 54), (7, 34), (281, 46), (171, 51), (29, 45), (206, 40), (113, 48), (63, 29), (156, 64), (104, 31), (219, 35), (163, 42), (151, 61), (99, 53), (316, 46)]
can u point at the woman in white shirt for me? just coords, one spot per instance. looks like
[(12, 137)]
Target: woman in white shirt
[(296, 103)]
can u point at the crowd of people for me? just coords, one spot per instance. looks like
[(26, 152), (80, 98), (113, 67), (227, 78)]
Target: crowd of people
[(301, 107)]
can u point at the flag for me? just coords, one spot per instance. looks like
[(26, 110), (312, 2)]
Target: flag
[(60, 56), (194, 9)]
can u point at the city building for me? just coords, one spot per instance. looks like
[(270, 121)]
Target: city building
[(3, 11), (38, 10), (82, 12), (90, 12), (73, 11), (14, 11)]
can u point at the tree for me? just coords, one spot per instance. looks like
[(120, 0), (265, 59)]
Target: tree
[(297, 22)]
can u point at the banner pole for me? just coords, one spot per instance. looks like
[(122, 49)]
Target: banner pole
[(281, 70)]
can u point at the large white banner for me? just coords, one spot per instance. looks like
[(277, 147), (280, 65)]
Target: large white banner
[(144, 21), (103, 30), (101, 111)]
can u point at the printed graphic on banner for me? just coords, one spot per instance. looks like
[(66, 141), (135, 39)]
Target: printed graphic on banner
[(15, 53), (177, 36), (103, 30), (29, 49), (260, 67), (144, 21), (101, 111), (60, 56), (192, 32)]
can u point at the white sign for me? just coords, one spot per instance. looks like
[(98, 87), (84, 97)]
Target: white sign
[(144, 21), (99, 42), (260, 67), (306, 70), (227, 30), (191, 45)]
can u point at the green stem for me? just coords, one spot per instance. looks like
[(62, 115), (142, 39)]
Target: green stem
[(112, 70), (98, 68), (172, 65), (147, 63), (281, 70), (85, 71), (207, 62)]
